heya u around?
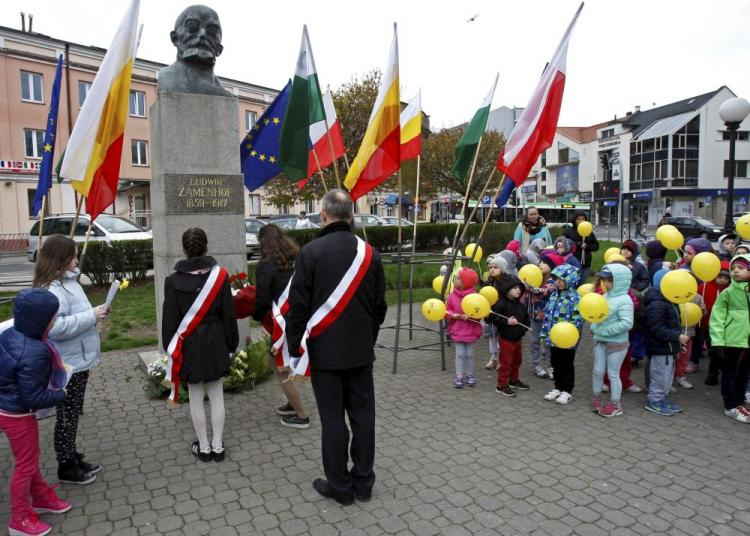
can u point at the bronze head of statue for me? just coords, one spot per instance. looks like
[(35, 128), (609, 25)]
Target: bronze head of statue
[(197, 36)]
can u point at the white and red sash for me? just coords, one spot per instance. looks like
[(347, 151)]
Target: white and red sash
[(190, 321), (279, 345), (327, 313)]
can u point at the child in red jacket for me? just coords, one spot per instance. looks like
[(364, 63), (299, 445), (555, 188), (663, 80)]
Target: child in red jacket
[(711, 291)]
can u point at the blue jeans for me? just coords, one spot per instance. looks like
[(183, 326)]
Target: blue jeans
[(494, 346), (661, 376), (464, 358), (539, 350), (611, 362), (585, 271)]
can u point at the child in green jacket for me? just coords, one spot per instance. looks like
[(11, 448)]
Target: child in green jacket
[(730, 338)]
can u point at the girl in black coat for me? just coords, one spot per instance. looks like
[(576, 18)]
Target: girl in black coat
[(272, 274), (207, 350)]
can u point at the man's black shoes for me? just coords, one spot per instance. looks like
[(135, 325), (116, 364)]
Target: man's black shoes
[(322, 487)]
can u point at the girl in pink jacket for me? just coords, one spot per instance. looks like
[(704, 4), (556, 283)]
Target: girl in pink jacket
[(464, 331)]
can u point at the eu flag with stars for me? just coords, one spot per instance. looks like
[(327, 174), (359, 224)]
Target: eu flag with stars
[(259, 150), (48, 148)]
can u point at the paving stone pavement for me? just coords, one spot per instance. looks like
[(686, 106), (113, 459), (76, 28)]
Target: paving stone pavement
[(448, 461)]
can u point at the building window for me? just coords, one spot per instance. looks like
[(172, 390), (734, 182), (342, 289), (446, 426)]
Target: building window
[(137, 103), (250, 119), (310, 207), (544, 176), (33, 142), (31, 87), (742, 135), (544, 159), (255, 204), (608, 133), (139, 150), (374, 209), (544, 190), (740, 169), (30, 195), (83, 92), (282, 209)]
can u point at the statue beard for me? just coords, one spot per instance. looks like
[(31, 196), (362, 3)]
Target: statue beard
[(201, 54)]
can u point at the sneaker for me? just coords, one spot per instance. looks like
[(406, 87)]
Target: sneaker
[(552, 395), (738, 414), (596, 404), (540, 372), (682, 382), (672, 389), (286, 409), (520, 385), (470, 380), (659, 408), (634, 389), (293, 421), (195, 448), (605, 388), (610, 410), (458, 382), (219, 454), (91, 468), (491, 364), (691, 368), (28, 525), (551, 373), (505, 390), (70, 473), (50, 503), (676, 408), (564, 398), (711, 379)]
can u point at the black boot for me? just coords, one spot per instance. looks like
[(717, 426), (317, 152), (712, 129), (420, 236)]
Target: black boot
[(70, 473), (91, 468)]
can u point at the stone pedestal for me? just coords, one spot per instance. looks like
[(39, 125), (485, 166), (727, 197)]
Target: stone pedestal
[(196, 182)]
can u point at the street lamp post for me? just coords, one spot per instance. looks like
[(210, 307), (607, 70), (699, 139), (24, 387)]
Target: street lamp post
[(732, 112)]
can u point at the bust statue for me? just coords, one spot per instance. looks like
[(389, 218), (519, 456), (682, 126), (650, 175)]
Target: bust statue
[(197, 36)]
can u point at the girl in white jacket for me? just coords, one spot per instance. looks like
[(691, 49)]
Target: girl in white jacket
[(75, 335)]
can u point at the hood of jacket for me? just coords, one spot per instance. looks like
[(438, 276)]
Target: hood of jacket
[(194, 264), (464, 292), (569, 274), (507, 284), (510, 259), (622, 276), (722, 249), (567, 243), (700, 245), (537, 245), (736, 285), (33, 310), (655, 250)]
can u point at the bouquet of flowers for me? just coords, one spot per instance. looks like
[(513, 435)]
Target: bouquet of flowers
[(243, 293)]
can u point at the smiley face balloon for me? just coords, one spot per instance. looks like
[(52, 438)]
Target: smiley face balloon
[(593, 308), (678, 286)]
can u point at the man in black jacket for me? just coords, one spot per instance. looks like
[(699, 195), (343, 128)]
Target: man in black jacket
[(585, 247), (342, 355)]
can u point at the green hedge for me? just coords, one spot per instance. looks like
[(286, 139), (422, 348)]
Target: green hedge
[(128, 259)]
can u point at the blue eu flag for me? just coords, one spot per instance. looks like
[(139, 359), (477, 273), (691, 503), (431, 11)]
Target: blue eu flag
[(48, 152), (259, 151)]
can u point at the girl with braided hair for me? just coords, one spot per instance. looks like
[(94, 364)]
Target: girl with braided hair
[(201, 347)]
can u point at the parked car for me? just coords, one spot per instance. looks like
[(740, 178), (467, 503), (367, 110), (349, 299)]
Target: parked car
[(252, 228), (696, 227), (106, 228), (393, 220), (367, 220), (285, 222)]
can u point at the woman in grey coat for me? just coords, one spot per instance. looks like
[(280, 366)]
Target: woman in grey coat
[(77, 339)]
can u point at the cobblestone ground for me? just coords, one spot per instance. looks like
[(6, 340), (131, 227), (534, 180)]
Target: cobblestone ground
[(448, 461)]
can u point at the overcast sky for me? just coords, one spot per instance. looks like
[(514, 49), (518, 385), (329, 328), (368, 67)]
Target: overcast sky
[(623, 53)]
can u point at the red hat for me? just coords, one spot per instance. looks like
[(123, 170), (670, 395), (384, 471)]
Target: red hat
[(515, 247), (468, 277)]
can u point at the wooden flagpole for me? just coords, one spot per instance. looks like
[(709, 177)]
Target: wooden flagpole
[(333, 154), (317, 162), (398, 272), (85, 246), (494, 200), (413, 249), (466, 196), (41, 222), (481, 196), (78, 213)]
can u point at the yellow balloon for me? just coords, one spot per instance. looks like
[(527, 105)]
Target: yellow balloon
[(490, 293), (593, 307), (433, 309), (584, 229), (616, 258), (474, 251), (531, 275), (663, 229), (672, 239), (585, 289), (475, 306), (678, 286), (564, 335), (690, 314), (609, 252), (437, 285), (706, 266), (743, 227)]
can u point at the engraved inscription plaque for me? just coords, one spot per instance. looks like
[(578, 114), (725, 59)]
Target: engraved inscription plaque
[(203, 194)]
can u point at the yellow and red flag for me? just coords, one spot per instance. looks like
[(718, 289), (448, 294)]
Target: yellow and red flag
[(411, 129), (379, 154), (92, 157)]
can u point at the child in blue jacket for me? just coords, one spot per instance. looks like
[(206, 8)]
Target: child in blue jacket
[(31, 378)]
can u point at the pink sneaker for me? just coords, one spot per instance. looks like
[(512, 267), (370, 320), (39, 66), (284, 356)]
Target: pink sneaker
[(596, 404), (28, 525), (610, 410), (50, 503)]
